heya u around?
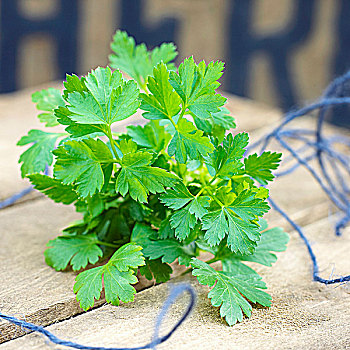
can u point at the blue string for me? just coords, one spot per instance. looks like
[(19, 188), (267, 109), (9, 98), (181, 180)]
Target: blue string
[(322, 149), (315, 272), (16, 197), (174, 294)]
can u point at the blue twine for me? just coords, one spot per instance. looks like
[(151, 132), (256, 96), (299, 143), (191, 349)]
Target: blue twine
[(16, 197), (322, 150), (175, 292)]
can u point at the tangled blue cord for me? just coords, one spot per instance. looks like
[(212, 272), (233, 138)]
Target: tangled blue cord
[(322, 149), (174, 294)]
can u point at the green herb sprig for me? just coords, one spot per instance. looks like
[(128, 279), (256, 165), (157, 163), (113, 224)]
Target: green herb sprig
[(175, 189)]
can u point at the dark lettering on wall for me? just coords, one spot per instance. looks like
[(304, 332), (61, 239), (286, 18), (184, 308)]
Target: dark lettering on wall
[(62, 27), (278, 47), (341, 115), (132, 21)]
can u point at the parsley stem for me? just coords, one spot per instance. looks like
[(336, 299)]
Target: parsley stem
[(201, 191), (206, 186), (184, 107), (238, 176), (107, 244), (144, 87), (191, 268), (212, 180), (215, 199), (172, 122), (110, 137), (210, 261)]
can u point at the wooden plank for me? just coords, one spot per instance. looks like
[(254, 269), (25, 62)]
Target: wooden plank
[(304, 313), (28, 227), (31, 289), (26, 230)]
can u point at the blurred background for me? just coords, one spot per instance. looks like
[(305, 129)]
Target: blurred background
[(282, 52)]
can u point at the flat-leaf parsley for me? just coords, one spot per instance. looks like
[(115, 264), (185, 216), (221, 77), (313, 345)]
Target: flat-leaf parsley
[(168, 191)]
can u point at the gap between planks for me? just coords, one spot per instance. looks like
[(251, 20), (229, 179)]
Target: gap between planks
[(303, 313)]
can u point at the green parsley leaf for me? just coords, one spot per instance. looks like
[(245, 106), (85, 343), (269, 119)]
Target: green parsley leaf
[(74, 84), (77, 131), (139, 178), (141, 234), (225, 161), (88, 286), (77, 251), (169, 250), (80, 163), (53, 188), (248, 207), (118, 285), (196, 85), (152, 135), (135, 60), (217, 124), (118, 275), (183, 222), (164, 103), (228, 291), (188, 142), (48, 100), (216, 227), (109, 98), (169, 190), (242, 234), (224, 119), (127, 146), (128, 256), (153, 269), (165, 230), (166, 53), (177, 197), (95, 205), (38, 156), (260, 167), (185, 219), (272, 240), (156, 269)]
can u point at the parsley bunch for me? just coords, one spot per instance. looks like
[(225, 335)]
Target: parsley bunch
[(177, 188)]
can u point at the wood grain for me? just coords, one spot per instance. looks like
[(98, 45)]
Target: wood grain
[(32, 290), (304, 314)]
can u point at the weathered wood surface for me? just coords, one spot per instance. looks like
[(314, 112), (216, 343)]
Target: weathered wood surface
[(33, 290), (304, 314), (30, 289)]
